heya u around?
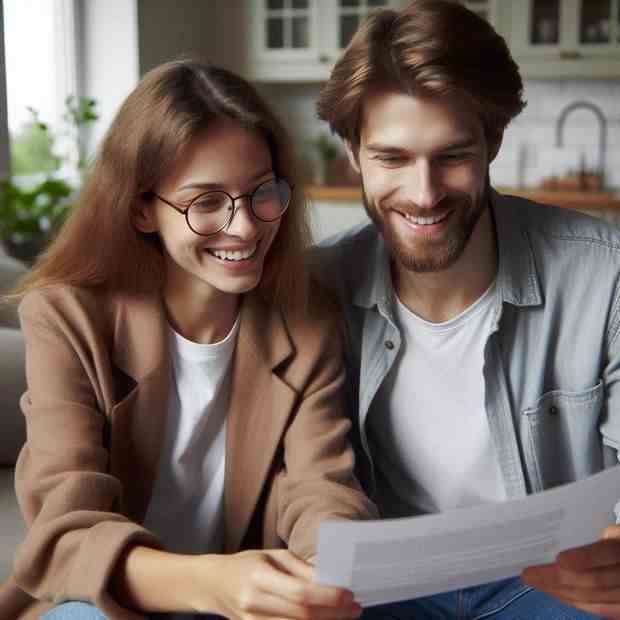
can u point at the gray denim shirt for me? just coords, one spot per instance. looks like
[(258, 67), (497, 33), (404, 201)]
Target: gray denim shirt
[(551, 362)]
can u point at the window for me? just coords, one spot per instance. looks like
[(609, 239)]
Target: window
[(40, 61)]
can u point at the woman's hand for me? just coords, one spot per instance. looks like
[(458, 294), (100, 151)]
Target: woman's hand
[(267, 584)]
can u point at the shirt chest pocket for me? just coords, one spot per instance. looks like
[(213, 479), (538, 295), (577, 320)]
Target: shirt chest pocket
[(561, 438)]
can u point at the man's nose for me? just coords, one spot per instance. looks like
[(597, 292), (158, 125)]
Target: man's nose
[(424, 188)]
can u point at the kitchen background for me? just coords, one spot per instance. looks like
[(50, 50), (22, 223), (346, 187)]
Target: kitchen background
[(563, 149)]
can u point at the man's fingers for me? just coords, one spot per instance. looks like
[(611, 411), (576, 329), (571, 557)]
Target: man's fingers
[(611, 532), (554, 576), (599, 554)]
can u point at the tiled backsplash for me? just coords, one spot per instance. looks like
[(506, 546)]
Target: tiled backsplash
[(527, 152)]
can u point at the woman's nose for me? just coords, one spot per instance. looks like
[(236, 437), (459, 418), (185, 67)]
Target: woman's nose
[(243, 223)]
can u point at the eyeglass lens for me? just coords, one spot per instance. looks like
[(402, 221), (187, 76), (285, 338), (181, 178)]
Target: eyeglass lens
[(211, 212)]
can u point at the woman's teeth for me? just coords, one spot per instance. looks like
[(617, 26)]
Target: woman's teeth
[(233, 255), (425, 220)]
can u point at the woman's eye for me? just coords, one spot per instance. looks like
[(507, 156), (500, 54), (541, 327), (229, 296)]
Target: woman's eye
[(210, 203)]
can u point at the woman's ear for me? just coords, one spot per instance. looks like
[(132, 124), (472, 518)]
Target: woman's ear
[(143, 218)]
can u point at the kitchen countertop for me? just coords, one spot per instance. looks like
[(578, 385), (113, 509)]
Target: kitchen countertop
[(573, 200)]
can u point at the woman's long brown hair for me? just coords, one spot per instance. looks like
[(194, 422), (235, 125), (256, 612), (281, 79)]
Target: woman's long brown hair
[(99, 247)]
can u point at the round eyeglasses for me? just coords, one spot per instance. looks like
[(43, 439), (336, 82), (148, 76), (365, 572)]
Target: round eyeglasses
[(213, 211)]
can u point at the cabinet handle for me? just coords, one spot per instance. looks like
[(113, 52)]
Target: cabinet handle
[(324, 58), (570, 55)]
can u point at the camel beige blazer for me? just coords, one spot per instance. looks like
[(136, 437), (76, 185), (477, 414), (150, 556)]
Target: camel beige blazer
[(98, 371)]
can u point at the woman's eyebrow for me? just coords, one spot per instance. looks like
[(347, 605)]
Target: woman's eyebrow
[(207, 186)]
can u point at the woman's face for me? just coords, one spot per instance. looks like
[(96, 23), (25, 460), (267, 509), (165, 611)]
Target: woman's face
[(225, 157)]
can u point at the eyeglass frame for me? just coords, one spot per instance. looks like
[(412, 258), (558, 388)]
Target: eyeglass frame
[(233, 200)]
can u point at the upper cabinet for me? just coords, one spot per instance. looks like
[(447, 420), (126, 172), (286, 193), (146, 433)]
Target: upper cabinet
[(566, 38), (300, 40), (484, 8)]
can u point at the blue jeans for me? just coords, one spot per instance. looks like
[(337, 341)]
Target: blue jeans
[(507, 599), (74, 611), (84, 611)]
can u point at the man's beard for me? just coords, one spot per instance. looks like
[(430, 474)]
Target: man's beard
[(431, 255)]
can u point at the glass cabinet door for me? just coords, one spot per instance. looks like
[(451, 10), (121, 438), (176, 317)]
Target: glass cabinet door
[(596, 24), (545, 19), (351, 14), (288, 25)]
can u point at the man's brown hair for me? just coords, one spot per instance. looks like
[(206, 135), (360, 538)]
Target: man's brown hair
[(435, 48)]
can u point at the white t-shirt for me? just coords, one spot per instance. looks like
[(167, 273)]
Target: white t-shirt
[(186, 509), (428, 423)]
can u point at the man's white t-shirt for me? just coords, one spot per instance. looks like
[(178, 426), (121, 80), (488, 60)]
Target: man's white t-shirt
[(428, 423), (186, 508)]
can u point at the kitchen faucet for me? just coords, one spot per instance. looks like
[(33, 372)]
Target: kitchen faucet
[(602, 146)]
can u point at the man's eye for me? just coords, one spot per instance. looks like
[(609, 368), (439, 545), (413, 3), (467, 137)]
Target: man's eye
[(389, 159), (454, 157)]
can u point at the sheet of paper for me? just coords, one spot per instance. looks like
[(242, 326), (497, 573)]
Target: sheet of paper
[(398, 559)]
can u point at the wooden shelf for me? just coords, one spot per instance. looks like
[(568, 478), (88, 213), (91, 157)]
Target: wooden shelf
[(572, 200)]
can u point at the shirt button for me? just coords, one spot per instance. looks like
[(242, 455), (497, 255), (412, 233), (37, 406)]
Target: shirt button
[(553, 410), (389, 345)]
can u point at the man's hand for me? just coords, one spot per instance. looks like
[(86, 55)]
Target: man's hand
[(585, 577)]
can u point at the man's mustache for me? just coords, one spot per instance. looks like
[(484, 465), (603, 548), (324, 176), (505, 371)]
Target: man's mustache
[(446, 204)]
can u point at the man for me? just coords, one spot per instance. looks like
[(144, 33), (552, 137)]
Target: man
[(483, 330)]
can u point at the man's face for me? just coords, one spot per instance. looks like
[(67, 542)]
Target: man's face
[(424, 167)]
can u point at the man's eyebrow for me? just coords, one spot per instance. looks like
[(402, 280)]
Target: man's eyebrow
[(219, 186), (464, 143), (384, 148), (461, 143)]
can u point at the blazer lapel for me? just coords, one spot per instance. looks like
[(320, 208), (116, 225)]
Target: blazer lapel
[(260, 407), (138, 420)]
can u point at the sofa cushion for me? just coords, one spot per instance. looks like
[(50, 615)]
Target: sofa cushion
[(12, 386), (10, 272), (13, 529)]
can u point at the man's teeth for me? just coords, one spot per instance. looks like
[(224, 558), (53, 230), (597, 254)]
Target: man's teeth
[(425, 220), (234, 254)]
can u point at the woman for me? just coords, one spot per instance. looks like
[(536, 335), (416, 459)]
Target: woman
[(184, 398)]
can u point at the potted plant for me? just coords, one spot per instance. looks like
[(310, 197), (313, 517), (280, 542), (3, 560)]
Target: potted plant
[(36, 198)]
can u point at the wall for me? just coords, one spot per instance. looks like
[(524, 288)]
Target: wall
[(120, 40), (204, 29), (108, 42), (530, 139)]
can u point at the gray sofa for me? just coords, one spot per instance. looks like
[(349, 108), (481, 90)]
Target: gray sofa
[(12, 427)]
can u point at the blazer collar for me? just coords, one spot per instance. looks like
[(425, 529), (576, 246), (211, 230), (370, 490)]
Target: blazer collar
[(140, 335), (260, 406)]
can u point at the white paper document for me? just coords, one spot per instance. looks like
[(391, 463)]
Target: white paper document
[(398, 559)]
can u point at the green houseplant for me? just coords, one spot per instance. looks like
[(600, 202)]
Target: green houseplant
[(36, 198)]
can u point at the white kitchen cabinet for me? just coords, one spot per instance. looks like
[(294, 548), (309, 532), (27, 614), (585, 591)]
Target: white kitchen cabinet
[(566, 38), (299, 40)]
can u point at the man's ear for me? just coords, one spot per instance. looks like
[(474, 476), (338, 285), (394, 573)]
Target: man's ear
[(494, 143), (352, 154), (143, 218)]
